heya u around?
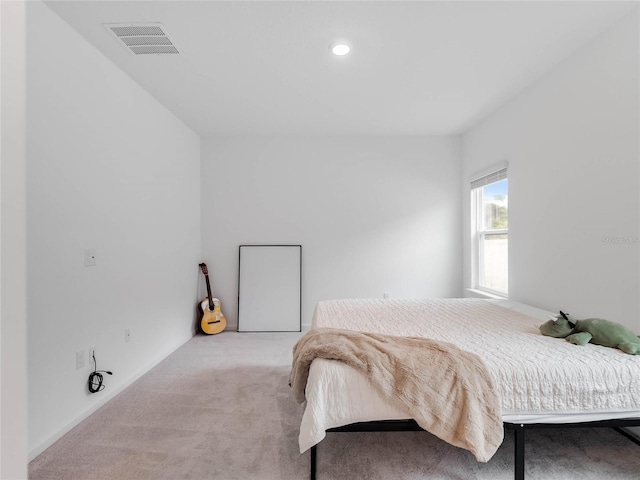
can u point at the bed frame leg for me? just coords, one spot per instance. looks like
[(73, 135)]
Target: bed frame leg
[(313, 462), (518, 431)]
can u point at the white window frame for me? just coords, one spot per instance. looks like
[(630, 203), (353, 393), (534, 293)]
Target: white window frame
[(478, 230)]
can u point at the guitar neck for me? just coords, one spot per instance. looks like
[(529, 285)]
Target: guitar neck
[(211, 306)]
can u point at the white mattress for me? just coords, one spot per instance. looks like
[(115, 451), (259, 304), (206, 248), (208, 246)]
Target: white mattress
[(540, 379)]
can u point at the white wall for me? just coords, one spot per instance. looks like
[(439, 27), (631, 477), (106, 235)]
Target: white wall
[(13, 388), (373, 215), (571, 141), (110, 169)]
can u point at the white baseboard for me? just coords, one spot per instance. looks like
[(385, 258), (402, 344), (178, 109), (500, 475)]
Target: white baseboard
[(234, 328), (473, 293), (38, 449)]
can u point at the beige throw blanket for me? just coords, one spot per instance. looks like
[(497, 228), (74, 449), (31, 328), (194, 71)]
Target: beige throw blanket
[(447, 391)]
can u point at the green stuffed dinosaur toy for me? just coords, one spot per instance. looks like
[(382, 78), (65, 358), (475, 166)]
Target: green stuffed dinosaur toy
[(594, 330)]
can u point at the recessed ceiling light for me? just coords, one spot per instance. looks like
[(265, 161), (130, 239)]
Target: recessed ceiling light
[(340, 48)]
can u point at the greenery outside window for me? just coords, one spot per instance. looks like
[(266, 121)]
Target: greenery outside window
[(490, 209)]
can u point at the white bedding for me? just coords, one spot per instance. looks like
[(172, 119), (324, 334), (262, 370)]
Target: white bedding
[(540, 379)]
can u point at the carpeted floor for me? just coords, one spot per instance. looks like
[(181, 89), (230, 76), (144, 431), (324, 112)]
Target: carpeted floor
[(220, 408)]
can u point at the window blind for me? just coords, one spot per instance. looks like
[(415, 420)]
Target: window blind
[(489, 179)]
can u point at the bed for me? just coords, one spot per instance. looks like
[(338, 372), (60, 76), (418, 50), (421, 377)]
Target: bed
[(541, 381)]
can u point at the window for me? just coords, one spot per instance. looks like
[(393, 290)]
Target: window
[(490, 211)]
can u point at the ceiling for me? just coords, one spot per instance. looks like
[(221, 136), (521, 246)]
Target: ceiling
[(416, 67)]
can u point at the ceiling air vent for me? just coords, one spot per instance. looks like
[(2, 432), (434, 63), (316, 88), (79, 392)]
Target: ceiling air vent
[(143, 38)]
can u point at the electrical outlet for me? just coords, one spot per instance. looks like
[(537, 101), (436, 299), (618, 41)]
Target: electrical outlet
[(127, 335), (386, 295), (79, 359), (92, 356)]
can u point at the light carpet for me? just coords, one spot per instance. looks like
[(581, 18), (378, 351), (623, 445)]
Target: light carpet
[(220, 407)]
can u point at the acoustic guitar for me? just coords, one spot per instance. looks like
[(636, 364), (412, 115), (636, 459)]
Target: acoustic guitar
[(213, 320)]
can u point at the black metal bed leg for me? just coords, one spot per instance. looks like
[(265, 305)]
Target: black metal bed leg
[(624, 433), (313, 462), (518, 431)]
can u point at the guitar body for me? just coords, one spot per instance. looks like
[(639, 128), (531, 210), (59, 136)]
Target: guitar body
[(213, 321)]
